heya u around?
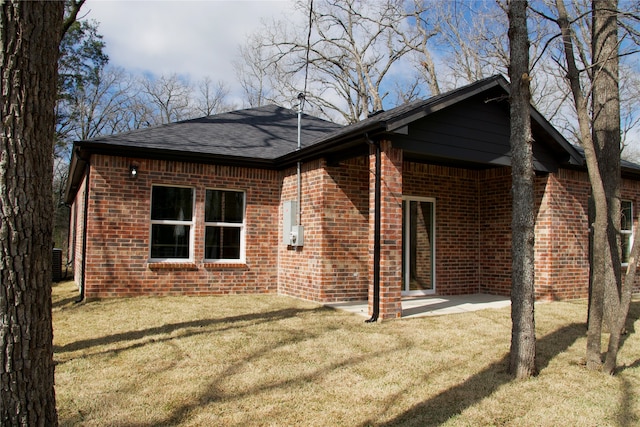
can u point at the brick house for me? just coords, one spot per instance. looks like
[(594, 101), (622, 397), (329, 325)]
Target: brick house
[(410, 201)]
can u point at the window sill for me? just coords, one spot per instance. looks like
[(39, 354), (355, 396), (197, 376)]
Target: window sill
[(172, 266), (225, 266)]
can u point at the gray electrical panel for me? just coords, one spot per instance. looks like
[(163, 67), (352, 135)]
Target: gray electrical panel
[(292, 232)]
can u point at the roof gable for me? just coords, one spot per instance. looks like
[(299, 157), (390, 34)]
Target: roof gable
[(457, 145), (474, 132)]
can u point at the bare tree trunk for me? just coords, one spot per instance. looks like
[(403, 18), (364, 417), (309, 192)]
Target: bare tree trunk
[(29, 35), (606, 135), (523, 336), (609, 297), (620, 318), (601, 249)]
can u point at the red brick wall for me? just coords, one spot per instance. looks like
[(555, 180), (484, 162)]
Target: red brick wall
[(346, 231), (631, 191), (76, 227), (456, 216), (300, 268), (562, 237), (390, 229), (473, 228), (494, 203), (118, 230), (333, 263), (473, 222), (561, 245)]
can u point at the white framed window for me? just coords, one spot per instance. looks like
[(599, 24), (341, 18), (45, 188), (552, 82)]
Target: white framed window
[(171, 223), (224, 216), (626, 229)]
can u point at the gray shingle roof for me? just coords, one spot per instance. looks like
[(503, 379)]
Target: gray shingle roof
[(268, 136), (258, 133)]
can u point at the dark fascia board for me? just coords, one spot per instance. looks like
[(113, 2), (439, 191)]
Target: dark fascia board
[(77, 168), (575, 158), (631, 171), (628, 169)]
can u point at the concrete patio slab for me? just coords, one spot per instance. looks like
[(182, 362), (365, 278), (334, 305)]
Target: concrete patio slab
[(433, 305)]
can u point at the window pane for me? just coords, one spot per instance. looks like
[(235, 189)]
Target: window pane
[(173, 203), (222, 243), (626, 219), (625, 243), (233, 207), (170, 241), (224, 206), (626, 225), (213, 206)]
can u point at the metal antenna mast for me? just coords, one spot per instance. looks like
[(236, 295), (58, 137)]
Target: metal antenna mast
[(301, 100)]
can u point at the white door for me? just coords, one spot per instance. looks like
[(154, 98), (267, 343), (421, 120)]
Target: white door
[(418, 269)]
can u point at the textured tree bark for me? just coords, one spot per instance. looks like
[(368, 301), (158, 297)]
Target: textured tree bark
[(599, 225), (606, 136), (29, 35), (523, 337)]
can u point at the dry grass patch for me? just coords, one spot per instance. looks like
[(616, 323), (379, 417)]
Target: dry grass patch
[(277, 361)]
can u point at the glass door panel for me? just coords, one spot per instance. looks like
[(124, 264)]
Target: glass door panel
[(419, 245)]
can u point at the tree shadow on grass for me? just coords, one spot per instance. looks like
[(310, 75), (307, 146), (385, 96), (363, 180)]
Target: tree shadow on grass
[(453, 401), (632, 317), (63, 294), (215, 391), (189, 328), (137, 339), (64, 302)]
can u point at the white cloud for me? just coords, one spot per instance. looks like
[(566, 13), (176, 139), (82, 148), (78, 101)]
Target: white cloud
[(191, 38)]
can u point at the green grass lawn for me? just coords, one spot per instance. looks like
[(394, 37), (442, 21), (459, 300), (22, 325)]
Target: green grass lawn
[(278, 361)]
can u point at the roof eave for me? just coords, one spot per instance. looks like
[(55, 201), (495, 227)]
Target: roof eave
[(331, 145), (83, 150), (77, 168), (575, 158), (91, 148)]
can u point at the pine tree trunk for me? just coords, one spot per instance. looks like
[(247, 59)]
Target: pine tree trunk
[(523, 337), (29, 35)]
